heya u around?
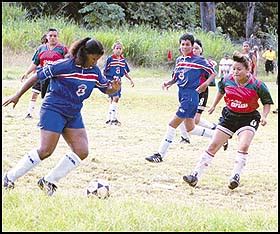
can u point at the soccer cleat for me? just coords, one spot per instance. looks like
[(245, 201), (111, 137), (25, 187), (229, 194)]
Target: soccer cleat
[(28, 116), (156, 158), (8, 184), (115, 122), (234, 182), (214, 127), (275, 111), (191, 180), (225, 145), (48, 187), (108, 122), (185, 140)]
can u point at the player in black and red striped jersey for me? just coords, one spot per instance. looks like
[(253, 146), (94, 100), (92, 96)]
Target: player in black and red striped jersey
[(240, 115), (50, 50)]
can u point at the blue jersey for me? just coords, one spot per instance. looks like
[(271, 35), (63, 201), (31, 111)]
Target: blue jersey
[(115, 67), (70, 85), (189, 69)]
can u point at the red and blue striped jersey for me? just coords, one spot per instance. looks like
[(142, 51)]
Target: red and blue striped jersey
[(115, 67), (70, 85), (244, 98), (189, 70), (44, 55)]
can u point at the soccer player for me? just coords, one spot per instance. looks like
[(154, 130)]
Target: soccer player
[(240, 115), (187, 72), (72, 80), (50, 50), (116, 67), (203, 97), (246, 50)]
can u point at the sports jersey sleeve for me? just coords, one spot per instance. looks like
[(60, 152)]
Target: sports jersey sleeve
[(126, 68), (102, 82), (221, 86), (264, 94), (208, 67), (106, 67), (35, 58), (49, 71)]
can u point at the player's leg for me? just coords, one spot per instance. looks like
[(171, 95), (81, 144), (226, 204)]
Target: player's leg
[(36, 89), (167, 140), (44, 87), (75, 136), (114, 108)]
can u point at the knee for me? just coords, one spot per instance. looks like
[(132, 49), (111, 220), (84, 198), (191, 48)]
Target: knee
[(82, 153), (244, 147), (44, 153)]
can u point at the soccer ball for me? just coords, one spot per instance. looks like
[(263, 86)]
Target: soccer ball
[(98, 188)]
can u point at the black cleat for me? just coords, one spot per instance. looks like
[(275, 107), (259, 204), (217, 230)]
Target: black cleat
[(234, 182), (28, 116), (214, 127), (185, 140), (225, 145), (8, 184), (156, 158), (115, 122), (46, 186), (108, 122), (191, 180)]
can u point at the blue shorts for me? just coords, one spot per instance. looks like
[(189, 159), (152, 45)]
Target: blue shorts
[(56, 122), (188, 104)]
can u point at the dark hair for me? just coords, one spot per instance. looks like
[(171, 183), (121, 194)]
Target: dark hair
[(80, 49), (52, 30), (187, 37), (197, 41), (241, 58), (44, 39)]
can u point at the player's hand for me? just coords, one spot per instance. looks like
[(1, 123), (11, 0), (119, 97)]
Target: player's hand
[(201, 88), (211, 110), (132, 83), (165, 85), (14, 99), (263, 121), (23, 78)]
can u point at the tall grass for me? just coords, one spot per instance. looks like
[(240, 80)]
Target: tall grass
[(143, 46)]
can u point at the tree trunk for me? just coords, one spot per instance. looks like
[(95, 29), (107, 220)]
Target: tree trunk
[(208, 16), (250, 19)]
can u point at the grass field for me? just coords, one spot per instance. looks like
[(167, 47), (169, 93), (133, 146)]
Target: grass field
[(144, 196)]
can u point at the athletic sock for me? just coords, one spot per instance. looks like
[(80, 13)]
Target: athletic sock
[(113, 110), (239, 163), (169, 136), (31, 107), (203, 163), (206, 124), (64, 166), (183, 131), (28, 161), (200, 131)]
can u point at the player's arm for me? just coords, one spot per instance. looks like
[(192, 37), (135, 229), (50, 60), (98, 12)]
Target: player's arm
[(206, 83), (27, 85), (266, 110), (217, 99), (131, 81), (31, 68), (168, 84)]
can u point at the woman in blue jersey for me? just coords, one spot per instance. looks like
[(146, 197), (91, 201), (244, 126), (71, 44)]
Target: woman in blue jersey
[(242, 91), (187, 72), (72, 80), (116, 67)]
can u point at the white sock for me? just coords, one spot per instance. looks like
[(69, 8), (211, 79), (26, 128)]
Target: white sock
[(64, 166), (203, 163), (206, 124), (169, 136), (109, 112), (200, 131), (31, 107), (239, 164), (183, 131), (113, 110), (28, 161)]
